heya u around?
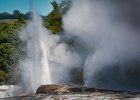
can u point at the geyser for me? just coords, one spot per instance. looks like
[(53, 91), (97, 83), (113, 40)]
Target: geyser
[(48, 60), (105, 45), (35, 69), (108, 31)]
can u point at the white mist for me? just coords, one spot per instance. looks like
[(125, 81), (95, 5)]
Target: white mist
[(108, 30), (48, 60), (35, 69)]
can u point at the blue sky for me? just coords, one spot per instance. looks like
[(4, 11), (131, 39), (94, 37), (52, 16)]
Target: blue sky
[(43, 7)]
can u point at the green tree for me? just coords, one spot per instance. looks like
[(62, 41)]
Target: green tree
[(21, 19), (54, 19), (10, 48)]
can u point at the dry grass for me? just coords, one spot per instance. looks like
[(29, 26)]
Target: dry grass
[(8, 20)]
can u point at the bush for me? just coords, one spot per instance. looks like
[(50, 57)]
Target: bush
[(10, 50), (2, 76)]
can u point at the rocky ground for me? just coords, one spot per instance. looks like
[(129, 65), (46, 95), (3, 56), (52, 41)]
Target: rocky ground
[(6, 90), (64, 92), (78, 96)]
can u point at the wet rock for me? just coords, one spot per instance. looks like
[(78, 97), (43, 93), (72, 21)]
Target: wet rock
[(48, 89), (60, 89), (66, 92)]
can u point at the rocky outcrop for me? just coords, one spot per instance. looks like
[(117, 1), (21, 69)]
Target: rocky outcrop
[(61, 89), (48, 89)]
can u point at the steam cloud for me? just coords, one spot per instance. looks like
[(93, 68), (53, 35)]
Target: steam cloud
[(48, 60), (108, 31), (105, 44)]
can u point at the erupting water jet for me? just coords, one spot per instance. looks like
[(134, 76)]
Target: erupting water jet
[(102, 45)]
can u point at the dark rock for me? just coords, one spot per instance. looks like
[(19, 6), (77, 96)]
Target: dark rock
[(60, 89), (48, 89), (75, 89)]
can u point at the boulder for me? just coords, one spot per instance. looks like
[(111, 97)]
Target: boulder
[(61, 89), (48, 89)]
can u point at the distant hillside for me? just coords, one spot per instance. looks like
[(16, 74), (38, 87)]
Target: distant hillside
[(15, 14)]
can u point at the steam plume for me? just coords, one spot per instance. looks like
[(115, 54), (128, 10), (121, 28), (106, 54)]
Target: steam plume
[(48, 60), (105, 43), (110, 36)]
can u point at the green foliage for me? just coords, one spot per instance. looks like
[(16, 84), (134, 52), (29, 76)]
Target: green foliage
[(10, 48), (2, 75), (21, 19), (8, 56), (53, 21)]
